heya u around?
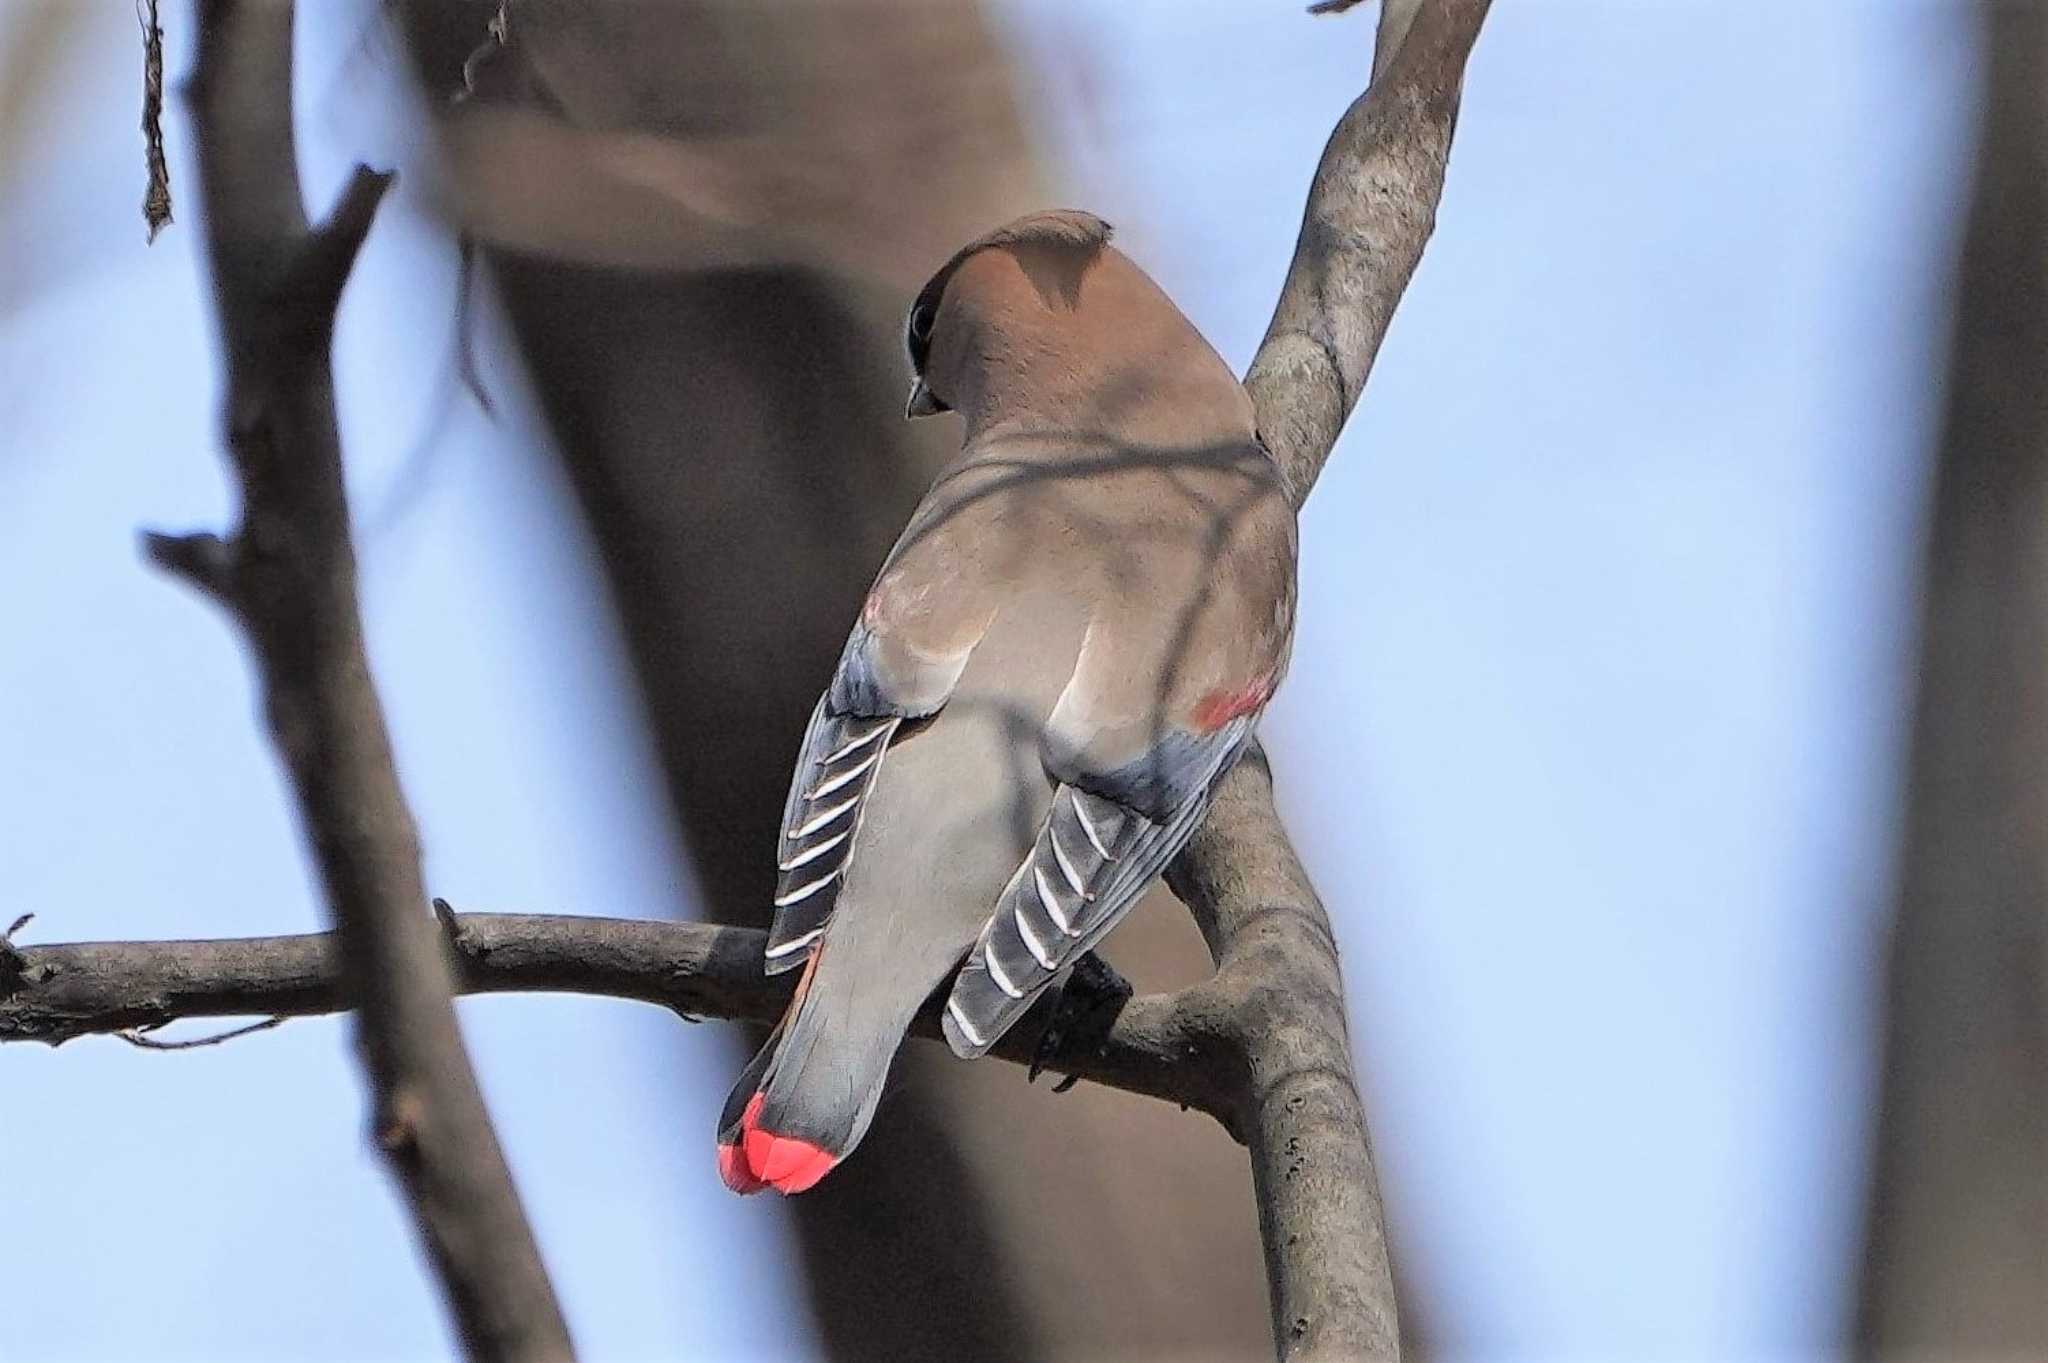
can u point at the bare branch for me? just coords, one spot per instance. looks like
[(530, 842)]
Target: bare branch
[(288, 576), (203, 559), (1370, 212), (1261, 1046), (329, 252), (1320, 1215), (1160, 1046), (1395, 18)]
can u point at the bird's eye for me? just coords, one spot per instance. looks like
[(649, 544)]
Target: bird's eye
[(921, 322)]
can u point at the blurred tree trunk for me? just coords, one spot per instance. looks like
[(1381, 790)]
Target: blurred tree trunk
[(1957, 1260), (705, 218)]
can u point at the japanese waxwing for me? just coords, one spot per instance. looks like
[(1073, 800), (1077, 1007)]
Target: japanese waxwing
[(1067, 647)]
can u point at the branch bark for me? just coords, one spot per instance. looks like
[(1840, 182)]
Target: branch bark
[(1370, 212), (288, 577), (1160, 1046), (1283, 1031)]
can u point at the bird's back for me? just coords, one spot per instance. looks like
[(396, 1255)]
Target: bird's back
[(1158, 574)]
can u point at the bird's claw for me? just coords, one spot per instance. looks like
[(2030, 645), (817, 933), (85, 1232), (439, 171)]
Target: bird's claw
[(1089, 1002)]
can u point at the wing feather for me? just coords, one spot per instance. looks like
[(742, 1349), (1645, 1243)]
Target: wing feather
[(886, 676), (842, 756), (1094, 856)]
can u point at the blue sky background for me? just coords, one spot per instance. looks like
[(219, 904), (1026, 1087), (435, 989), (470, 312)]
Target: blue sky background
[(1592, 738)]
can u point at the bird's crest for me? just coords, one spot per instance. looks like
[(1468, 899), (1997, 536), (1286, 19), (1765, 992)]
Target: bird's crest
[(1068, 228)]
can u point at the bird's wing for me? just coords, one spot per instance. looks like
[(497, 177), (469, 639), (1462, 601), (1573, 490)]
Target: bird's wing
[(886, 676), (1104, 839)]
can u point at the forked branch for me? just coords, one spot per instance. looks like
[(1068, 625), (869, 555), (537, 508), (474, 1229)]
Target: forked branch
[(287, 575)]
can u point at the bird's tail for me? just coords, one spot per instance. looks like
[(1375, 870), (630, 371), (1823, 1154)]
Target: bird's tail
[(805, 1101)]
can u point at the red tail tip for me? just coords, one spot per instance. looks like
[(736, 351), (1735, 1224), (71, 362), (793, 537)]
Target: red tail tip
[(762, 1159), (733, 1170), (787, 1164)]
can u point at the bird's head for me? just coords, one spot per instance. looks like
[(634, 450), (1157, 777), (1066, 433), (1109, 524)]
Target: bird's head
[(938, 332)]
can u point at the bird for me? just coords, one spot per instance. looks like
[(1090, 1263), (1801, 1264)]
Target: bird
[(1066, 649)]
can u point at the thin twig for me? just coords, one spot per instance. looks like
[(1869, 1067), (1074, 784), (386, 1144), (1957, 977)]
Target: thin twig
[(156, 199), (135, 1036), (13, 964)]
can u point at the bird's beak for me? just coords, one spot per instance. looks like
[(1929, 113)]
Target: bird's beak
[(922, 403)]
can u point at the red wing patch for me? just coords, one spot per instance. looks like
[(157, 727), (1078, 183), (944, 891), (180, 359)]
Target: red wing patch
[(1222, 705)]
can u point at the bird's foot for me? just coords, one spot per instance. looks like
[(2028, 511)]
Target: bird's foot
[(1088, 1006)]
